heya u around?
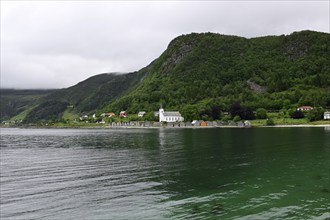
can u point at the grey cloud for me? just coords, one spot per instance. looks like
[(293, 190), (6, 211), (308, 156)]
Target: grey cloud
[(57, 44)]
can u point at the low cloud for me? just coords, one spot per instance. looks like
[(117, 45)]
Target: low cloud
[(56, 44)]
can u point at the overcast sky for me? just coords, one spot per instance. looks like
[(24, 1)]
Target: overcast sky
[(56, 44)]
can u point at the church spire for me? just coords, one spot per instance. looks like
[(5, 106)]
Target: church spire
[(161, 113)]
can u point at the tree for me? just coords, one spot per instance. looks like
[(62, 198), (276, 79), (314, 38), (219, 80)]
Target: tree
[(205, 115), (216, 112), (237, 118), (226, 118), (248, 113), (133, 117), (241, 111), (236, 109), (297, 114), (315, 114), (150, 116), (261, 113), (190, 112), (270, 122)]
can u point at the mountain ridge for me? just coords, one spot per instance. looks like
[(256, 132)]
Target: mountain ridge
[(228, 58), (208, 69)]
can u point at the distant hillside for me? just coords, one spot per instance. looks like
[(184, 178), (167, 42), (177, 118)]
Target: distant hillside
[(86, 96), (96, 91), (15, 102), (202, 71)]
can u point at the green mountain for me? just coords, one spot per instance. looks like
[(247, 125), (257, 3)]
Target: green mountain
[(198, 72), (208, 69), (19, 102), (85, 97)]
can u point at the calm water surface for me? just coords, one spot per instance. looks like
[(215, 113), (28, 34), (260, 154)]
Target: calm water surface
[(261, 173)]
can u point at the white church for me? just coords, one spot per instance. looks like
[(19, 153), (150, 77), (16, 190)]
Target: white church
[(169, 116)]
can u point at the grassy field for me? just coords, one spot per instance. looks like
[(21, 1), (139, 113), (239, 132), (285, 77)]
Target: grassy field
[(21, 115), (69, 115), (285, 120)]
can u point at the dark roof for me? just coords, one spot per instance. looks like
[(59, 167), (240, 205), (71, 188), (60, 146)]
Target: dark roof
[(172, 114)]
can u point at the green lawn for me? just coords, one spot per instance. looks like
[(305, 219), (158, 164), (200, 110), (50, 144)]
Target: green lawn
[(285, 120)]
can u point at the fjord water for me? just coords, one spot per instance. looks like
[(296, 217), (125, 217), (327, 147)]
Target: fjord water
[(258, 173)]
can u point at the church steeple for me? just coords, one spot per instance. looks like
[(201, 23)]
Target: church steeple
[(161, 113)]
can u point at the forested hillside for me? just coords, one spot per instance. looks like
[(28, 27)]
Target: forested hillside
[(16, 102), (86, 96), (202, 72)]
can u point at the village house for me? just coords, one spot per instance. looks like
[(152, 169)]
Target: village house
[(214, 123), (83, 117), (240, 124), (304, 108), (232, 123), (195, 123), (123, 114), (209, 123), (108, 114), (169, 116), (133, 123), (157, 124), (247, 124), (144, 124), (326, 115), (141, 114), (182, 124)]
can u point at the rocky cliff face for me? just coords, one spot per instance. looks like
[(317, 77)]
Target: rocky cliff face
[(255, 87), (176, 57)]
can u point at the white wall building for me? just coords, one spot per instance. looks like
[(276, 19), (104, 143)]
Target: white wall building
[(169, 116), (141, 114)]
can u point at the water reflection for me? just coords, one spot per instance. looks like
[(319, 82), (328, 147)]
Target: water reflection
[(218, 168), (161, 136)]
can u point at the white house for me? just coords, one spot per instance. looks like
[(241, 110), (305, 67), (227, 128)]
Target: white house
[(141, 114), (169, 116), (326, 115), (195, 123)]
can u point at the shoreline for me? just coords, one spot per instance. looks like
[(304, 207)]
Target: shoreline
[(168, 127), (300, 126)]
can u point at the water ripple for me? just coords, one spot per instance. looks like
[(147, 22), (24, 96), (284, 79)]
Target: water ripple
[(163, 174)]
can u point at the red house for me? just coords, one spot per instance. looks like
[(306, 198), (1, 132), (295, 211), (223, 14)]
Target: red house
[(305, 108), (123, 114)]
